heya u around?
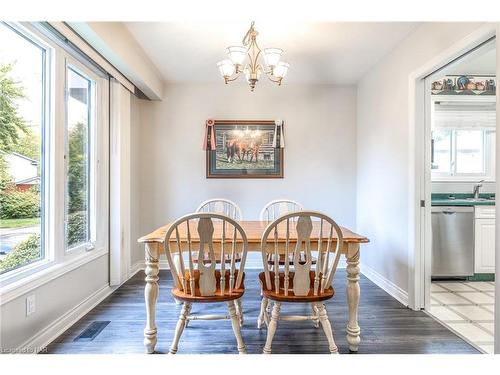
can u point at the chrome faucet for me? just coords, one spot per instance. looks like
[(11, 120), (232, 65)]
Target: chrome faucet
[(477, 186)]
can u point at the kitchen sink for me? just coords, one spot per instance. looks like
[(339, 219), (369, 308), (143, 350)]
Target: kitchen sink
[(479, 199), (472, 200)]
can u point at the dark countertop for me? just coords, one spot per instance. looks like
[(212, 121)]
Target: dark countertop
[(460, 199)]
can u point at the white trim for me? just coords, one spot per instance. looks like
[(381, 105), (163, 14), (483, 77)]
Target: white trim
[(44, 337), (89, 51), (419, 189), (36, 280), (119, 178), (387, 285), (136, 267)]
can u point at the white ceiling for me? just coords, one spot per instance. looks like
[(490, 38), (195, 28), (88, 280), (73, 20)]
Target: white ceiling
[(334, 52)]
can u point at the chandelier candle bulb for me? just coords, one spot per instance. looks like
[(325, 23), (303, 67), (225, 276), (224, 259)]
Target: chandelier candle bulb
[(237, 54), (281, 69), (272, 56), (246, 59), (226, 68)]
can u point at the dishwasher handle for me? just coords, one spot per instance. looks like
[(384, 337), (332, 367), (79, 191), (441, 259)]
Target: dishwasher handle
[(450, 210)]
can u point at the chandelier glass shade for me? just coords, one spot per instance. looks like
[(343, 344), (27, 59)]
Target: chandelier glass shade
[(246, 59)]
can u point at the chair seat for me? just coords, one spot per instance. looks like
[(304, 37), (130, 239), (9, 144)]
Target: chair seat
[(227, 258), (186, 296), (280, 297), (270, 259)]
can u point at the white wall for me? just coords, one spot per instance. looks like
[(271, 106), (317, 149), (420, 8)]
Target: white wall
[(55, 303), (320, 156), (20, 168), (383, 144)]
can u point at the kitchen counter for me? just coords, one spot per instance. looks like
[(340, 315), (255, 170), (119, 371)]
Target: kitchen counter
[(462, 199)]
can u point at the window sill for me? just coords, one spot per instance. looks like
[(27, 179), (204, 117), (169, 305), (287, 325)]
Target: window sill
[(48, 272)]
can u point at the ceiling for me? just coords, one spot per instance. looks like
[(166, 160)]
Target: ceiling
[(323, 53)]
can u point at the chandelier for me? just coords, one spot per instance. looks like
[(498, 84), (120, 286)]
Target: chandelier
[(231, 68)]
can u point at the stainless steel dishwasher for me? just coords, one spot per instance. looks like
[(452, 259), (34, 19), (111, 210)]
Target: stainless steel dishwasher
[(452, 241)]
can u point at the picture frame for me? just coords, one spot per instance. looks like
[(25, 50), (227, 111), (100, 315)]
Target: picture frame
[(244, 149)]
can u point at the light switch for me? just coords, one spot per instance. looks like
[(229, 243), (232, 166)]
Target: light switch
[(30, 305)]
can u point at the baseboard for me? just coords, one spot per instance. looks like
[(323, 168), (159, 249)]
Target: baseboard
[(387, 285), (44, 337)]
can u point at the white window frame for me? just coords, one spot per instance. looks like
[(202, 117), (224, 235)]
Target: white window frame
[(93, 123), (489, 172), (487, 175), (46, 235), (57, 260)]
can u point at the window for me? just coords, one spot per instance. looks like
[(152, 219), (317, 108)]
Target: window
[(79, 122), (22, 163), (54, 146), (463, 153)]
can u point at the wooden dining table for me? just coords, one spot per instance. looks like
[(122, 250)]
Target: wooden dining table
[(155, 246)]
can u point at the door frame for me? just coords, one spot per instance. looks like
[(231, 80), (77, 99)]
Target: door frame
[(419, 221)]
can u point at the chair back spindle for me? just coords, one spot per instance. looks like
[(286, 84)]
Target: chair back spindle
[(307, 278), (221, 206), (209, 276), (279, 207)]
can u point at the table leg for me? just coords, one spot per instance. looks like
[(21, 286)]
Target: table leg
[(151, 295), (353, 292)]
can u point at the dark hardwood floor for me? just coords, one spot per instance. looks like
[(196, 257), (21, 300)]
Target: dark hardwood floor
[(386, 325)]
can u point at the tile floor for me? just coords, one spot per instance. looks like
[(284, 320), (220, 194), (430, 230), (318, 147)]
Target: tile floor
[(467, 308)]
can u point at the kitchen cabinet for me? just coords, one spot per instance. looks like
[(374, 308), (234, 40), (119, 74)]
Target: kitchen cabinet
[(484, 235)]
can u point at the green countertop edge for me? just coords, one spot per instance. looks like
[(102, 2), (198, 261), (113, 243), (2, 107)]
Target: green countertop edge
[(442, 199)]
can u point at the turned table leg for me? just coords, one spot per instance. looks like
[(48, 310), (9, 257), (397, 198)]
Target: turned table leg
[(151, 295), (353, 292)]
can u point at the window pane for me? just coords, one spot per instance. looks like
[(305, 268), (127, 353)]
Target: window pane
[(470, 151), (21, 161), (77, 158), (442, 151)]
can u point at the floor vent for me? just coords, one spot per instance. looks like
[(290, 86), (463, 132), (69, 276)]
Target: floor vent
[(92, 330)]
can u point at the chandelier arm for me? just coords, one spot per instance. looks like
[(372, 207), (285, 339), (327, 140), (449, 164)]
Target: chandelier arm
[(274, 79), (232, 78)]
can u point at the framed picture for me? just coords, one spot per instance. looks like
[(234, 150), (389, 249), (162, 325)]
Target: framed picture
[(244, 149)]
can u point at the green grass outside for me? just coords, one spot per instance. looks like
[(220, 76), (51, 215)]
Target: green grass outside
[(19, 223)]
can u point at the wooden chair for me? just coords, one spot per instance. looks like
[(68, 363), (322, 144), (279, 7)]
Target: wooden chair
[(231, 209), (221, 206), (275, 209), (306, 282), (278, 207), (208, 283)]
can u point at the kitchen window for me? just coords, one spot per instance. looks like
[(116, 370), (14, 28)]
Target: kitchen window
[(463, 154)]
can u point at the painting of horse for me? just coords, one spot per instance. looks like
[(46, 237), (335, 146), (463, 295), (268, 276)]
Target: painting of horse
[(244, 149)]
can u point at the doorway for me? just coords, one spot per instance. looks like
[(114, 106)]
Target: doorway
[(460, 182)]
